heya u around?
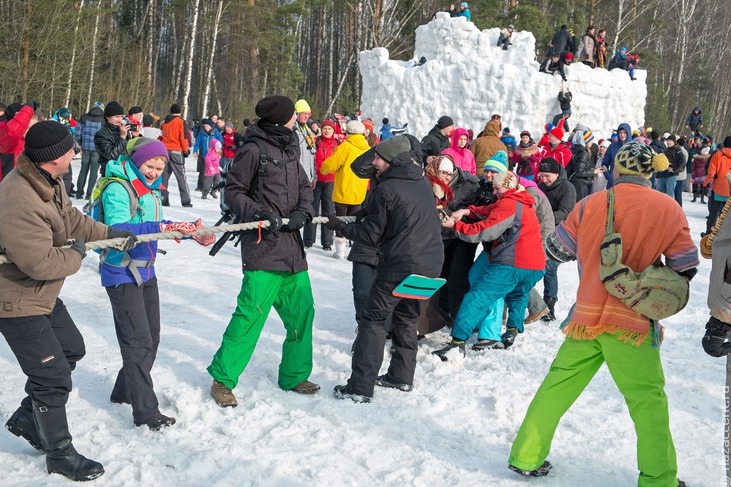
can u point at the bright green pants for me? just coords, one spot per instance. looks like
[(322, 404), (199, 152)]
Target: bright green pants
[(291, 296), (637, 371)]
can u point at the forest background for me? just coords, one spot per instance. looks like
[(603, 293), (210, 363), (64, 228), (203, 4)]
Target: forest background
[(221, 56)]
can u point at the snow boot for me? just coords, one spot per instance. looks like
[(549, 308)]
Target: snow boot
[(541, 471), (384, 381), (340, 244), (223, 396), (442, 352), (306, 387), (61, 456), (157, 422), (486, 344), (509, 337), (551, 303), (22, 424), (536, 316), (346, 392)]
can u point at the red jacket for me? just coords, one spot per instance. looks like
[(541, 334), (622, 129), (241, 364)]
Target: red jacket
[(512, 226), (12, 133), (324, 149), (228, 141), (562, 153)]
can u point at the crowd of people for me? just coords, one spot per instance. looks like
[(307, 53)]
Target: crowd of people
[(421, 207)]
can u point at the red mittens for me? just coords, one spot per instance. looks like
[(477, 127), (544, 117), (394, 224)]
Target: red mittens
[(204, 240)]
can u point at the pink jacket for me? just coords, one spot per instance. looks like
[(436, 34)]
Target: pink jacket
[(463, 158)]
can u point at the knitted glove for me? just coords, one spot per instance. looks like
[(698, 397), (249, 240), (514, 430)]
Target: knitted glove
[(182, 227), (275, 221), (297, 220), (204, 240), (80, 247), (130, 241), (714, 341), (333, 223)]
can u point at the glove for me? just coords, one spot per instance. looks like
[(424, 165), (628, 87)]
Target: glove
[(275, 221), (333, 223), (130, 241), (80, 247), (182, 227), (206, 239), (714, 341), (35, 105), (297, 220), (186, 153), (360, 214)]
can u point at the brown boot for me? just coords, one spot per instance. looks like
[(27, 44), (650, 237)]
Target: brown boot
[(223, 396), (536, 316), (306, 387)]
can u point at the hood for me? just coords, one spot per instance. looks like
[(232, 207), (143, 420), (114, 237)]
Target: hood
[(169, 117), (520, 195), (628, 129), (578, 140), (455, 139), (527, 183), (288, 143), (492, 128), (697, 109), (726, 151), (96, 112)]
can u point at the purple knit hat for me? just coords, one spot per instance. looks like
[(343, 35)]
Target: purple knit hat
[(142, 149)]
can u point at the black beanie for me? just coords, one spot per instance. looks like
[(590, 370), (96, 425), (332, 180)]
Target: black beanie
[(384, 121), (727, 141), (275, 109), (175, 108), (147, 120), (113, 108), (444, 122), (134, 109), (550, 165), (47, 141)]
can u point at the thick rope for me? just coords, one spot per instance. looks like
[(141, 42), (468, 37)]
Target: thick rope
[(150, 237)]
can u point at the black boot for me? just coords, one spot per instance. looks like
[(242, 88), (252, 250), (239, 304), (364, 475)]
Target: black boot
[(694, 197), (22, 424), (550, 302), (61, 457)]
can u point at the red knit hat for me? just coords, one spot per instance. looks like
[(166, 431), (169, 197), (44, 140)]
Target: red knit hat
[(557, 132), (328, 123)]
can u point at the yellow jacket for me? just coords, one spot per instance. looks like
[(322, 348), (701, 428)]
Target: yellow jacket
[(349, 189)]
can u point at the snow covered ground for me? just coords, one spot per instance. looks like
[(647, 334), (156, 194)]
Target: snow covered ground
[(454, 429)]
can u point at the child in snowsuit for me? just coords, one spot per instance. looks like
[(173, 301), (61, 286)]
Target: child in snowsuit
[(212, 170)]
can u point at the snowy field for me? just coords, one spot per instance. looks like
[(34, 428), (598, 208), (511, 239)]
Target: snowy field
[(454, 429)]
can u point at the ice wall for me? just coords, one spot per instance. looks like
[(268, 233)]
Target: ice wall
[(469, 78)]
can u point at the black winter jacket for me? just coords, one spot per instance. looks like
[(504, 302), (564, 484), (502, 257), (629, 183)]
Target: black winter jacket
[(677, 161), (562, 196), (402, 223), (109, 144), (658, 146), (434, 143), (581, 165), (285, 189), (564, 99)]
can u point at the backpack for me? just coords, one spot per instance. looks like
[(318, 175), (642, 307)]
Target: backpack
[(94, 207)]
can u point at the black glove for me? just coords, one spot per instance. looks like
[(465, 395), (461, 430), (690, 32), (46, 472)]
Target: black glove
[(333, 223), (297, 220), (80, 247), (275, 221), (35, 105), (186, 153), (714, 341), (360, 214), (129, 244)]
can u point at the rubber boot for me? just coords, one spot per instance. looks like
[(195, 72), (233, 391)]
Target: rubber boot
[(340, 245), (61, 457), (22, 424)]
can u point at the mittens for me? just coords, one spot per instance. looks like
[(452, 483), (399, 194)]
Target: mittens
[(714, 341), (297, 220), (333, 223), (80, 247), (205, 239), (275, 221), (182, 227)]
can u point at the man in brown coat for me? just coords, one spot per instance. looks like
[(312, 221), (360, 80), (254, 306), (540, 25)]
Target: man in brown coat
[(487, 146), (36, 221)]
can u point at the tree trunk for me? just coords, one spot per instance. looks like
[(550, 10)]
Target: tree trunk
[(73, 55), (216, 27), (191, 53), (93, 55)]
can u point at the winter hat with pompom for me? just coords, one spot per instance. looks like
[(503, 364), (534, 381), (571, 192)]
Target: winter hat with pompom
[(639, 160), (557, 132), (497, 163)]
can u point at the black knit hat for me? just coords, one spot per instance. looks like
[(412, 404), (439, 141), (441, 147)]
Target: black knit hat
[(444, 122), (275, 109), (175, 108), (47, 141), (550, 165), (113, 108), (727, 141), (134, 109)]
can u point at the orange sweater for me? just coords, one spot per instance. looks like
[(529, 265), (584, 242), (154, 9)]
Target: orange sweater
[(651, 224)]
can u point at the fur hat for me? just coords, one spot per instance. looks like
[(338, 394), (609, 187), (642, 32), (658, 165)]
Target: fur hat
[(142, 149), (550, 165), (392, 147), (639, 160), (355, 127), (275, 109), (47, 141), (505, 179)]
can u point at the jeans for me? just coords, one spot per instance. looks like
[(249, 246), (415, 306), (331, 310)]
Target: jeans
[(322, 203), (550, 281), (666, 185), (90, 165), (678, 193)]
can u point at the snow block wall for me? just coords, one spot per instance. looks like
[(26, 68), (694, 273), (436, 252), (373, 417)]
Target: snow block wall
[(469, 78)]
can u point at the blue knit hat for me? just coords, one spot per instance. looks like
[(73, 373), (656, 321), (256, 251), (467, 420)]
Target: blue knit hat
[(497, 163)]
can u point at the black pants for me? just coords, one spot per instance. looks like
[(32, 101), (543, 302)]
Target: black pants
[(458, 258), (714, 212), (47, 348), (371, 338), (322, 203), (137, 323)]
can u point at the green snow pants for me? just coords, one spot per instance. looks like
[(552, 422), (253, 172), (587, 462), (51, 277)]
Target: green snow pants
[(291, 296), (637, 371)]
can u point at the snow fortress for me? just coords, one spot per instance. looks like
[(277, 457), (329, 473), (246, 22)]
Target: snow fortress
[(468, 77)]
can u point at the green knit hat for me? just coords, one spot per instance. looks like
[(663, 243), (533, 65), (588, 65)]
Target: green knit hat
[(497, 163)]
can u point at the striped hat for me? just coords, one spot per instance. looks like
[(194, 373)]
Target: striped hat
[(588, 136), (497, 163)]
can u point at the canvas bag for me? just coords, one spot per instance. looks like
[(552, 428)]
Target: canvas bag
[(658, 292)]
